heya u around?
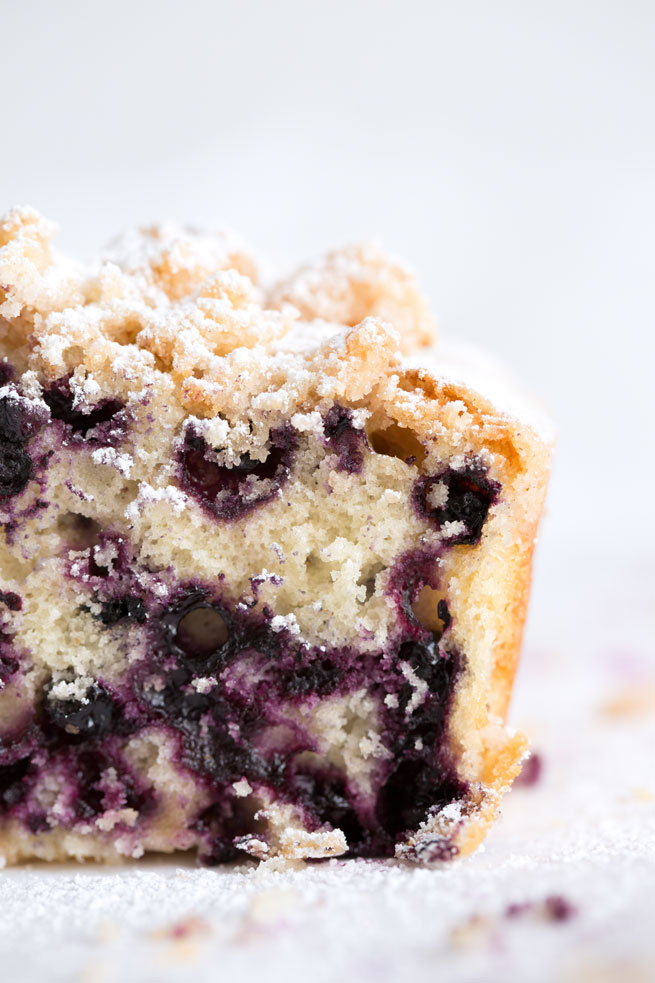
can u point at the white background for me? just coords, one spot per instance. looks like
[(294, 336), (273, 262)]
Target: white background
[(507, 150)]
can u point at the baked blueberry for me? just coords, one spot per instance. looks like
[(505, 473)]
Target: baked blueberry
[(231, 492), (16, 466), (458, 502), (84, 719), (194, 628), (104, 424), (324, 794), (12, 782), (119, 609), (319, 676), (415, 788)]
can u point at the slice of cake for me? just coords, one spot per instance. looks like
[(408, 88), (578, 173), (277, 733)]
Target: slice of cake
[(263, 573)]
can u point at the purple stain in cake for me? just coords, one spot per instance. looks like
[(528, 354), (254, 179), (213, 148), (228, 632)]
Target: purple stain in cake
[(436, 666), (9, 659), (412, 572), (104, 425), (9, 662), (37, 822), (79, 742), (467, 497), (530, 772), (111, 582), (89, 772), (232, 492), (174, 700), (344, 439)]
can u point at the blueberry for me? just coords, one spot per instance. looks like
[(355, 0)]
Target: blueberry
[(176, 700), (347, 441), (220, 848), (220, 825), (437, 666), (16, 466), (324, 794), (196, 629), (423, 776), (126, 608), (101, 425), (15, 426), (412, 789), (201, 631), (90, 719), (468, 496), (15, 470), (439, 669), (12, 785), (226, 492)]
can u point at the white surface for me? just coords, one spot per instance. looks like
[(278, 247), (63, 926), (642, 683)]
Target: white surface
[(507, 150)]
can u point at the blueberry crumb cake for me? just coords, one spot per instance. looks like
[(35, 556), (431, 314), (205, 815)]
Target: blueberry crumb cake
[(265, 560)]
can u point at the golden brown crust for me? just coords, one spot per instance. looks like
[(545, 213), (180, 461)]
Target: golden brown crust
[(349, 285)]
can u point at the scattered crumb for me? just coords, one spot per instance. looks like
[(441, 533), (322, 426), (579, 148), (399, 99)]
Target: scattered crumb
[(631, 701), (554, 908)]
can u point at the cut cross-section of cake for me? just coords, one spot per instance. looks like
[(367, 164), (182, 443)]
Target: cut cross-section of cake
[(265, 559)]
